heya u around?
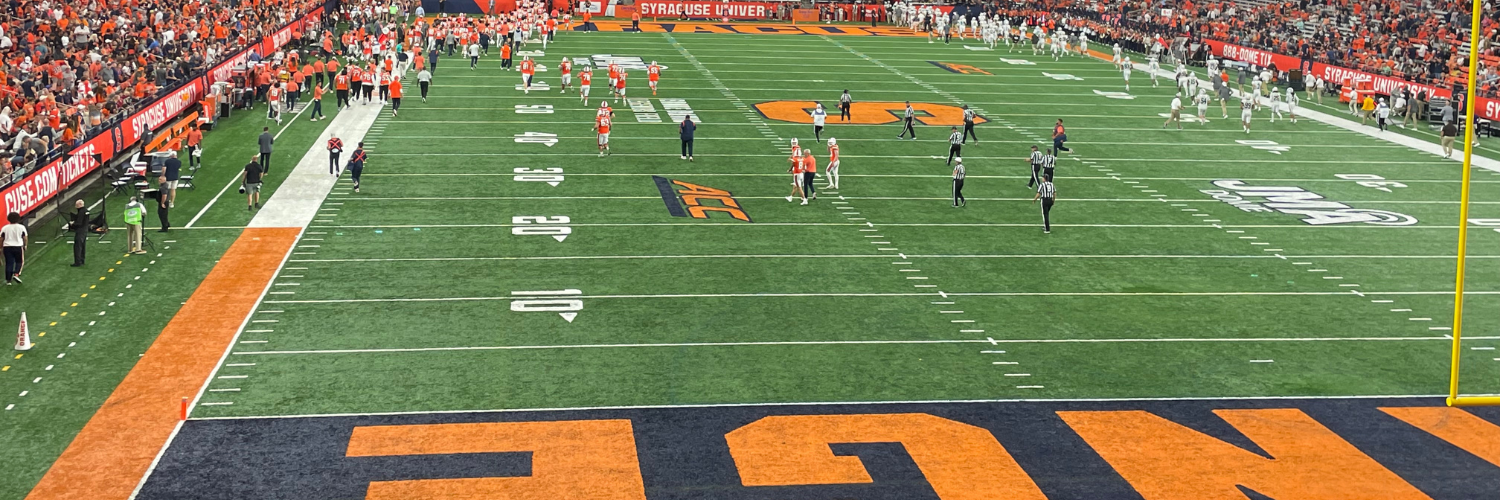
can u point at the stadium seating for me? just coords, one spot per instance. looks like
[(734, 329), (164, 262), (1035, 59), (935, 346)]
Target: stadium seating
[(72, 69)]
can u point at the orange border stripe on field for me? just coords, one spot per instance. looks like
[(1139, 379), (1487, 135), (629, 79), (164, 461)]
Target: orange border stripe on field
[(107, 459)]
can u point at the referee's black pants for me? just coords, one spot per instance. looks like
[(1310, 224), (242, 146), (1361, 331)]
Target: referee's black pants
[(969, 132), (1047, 214), (958, 193), (844, 111), (907, 127), (808, 190), (954, 150), (1036, 172), (1047, 174)]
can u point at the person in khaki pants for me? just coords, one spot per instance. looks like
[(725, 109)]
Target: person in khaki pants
[(134, 213)]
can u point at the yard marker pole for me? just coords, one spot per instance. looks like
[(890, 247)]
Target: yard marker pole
[(184, 409), (1463, 206)]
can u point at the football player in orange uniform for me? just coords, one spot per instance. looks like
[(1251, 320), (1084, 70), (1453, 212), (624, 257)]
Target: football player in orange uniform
[(620, 88), (796, 171), (601, 126), (583, 84), (614, 75), (833, 164), (528, 68), (653, 73), (566, 67)]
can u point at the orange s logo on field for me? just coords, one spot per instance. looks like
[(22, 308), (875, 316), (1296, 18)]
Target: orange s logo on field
[(867, 113), (960, 68)]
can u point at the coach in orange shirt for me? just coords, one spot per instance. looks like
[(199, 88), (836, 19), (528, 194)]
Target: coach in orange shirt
[(317, 71), (332, 68), (395, 91), (317, 103)]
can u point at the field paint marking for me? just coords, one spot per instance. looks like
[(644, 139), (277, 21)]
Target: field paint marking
[(729, 95), (988, 340), (232, 182), (1436, 397), (883, 294)]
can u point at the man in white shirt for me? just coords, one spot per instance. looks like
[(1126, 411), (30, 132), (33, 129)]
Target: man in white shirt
[(819, 118), (1176, 112), (13, 239)]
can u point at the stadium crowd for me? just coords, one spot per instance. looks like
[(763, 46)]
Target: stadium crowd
[(1416, 40), (72, 69)]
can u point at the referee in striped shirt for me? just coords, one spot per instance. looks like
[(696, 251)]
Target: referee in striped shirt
[(969, 125), (1049, 164), (958, 185), (1036, 167), (906, 123), (955, 145), (1047, 194)]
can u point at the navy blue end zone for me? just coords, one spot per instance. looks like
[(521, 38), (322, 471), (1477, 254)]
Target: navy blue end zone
[(683, 453)]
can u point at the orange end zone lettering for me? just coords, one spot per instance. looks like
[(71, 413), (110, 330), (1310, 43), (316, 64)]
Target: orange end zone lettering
[(867, 113), (960, 461), (959, 68), (699, 212), (594, 459), (1167, 461), (1457, 427), (696, 189)]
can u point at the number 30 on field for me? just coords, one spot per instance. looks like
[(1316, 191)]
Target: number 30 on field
[(534, 225)]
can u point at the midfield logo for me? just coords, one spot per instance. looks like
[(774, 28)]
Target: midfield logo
[(1312, 207), (867, 113), (629, 63), (692, 196), (960, 68)]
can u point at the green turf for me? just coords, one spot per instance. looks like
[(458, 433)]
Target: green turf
[(403, 304), (400, 299), (42, 423)]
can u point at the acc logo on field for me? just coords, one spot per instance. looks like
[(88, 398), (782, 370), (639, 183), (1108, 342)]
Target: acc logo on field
[(692, 198), (960, 68), (867, 113)]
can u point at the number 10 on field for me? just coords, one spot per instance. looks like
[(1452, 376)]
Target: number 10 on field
[(563, 302)]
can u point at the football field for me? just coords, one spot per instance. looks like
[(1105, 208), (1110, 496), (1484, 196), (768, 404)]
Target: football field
[(479, 271), (493, 261)]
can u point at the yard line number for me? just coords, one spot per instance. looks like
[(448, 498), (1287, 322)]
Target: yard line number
[(564, 302)]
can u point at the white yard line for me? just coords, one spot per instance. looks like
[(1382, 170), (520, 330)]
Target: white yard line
[(882, 294), (846, 342), (825, 403), (882, 256)]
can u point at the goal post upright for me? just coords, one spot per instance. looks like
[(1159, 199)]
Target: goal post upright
[(1463, 222)]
